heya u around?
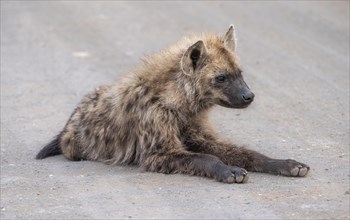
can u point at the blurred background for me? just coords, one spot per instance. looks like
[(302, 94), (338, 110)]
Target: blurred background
[(295, 57)]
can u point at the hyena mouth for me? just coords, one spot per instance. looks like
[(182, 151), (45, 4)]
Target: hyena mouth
[(225, 103), (230, 105)]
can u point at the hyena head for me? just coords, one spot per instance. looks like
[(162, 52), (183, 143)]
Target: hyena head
[(213, 66)]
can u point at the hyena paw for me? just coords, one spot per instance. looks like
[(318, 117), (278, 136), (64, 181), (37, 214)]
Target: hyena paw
[(233, 174), (294, 168)]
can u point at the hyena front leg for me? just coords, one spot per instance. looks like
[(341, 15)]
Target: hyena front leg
[(195, 164), (165, 153), (242, 157), (262, 163), (283, 167)]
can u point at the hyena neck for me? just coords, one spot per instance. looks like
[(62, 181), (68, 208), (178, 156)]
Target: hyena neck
[(190, 97)]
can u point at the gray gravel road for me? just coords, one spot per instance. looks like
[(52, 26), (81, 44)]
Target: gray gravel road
[(295, 57)]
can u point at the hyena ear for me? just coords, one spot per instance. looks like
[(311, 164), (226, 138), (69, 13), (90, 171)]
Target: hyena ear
[(229, 39), (193, 58)]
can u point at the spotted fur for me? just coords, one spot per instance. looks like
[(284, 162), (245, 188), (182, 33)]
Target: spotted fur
[(157, 116)]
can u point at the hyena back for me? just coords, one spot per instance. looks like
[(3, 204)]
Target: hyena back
[(157, 117)]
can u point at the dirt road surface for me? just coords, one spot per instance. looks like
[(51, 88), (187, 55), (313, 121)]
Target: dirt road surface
[(295, 57)]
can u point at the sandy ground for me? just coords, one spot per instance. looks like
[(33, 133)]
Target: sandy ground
[(295, 57)]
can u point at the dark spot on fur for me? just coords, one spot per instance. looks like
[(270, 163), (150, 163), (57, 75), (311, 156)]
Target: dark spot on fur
[(208, 93), (154, 99), (108, 141), (145, 91), (129, 106), (107, 101), (87, 132), (67, 141), (158, 147), (130, 124), (95, 98)]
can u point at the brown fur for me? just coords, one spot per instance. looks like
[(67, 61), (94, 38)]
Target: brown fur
[(157, 117)]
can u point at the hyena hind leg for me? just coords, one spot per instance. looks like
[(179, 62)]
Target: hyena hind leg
[(69, 146)]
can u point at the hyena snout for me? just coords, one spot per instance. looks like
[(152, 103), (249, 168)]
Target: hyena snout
[(236, 94), (248, 97), (242, 96)]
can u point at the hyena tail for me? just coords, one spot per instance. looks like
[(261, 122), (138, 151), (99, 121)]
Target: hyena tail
[(51, 149)]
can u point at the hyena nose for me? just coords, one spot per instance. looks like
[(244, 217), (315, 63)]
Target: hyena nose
[(248, 97)]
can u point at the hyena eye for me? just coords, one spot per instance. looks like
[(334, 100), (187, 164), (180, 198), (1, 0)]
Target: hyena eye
[(220, 78)]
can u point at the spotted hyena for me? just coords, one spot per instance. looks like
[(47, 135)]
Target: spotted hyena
[(157, 117)]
